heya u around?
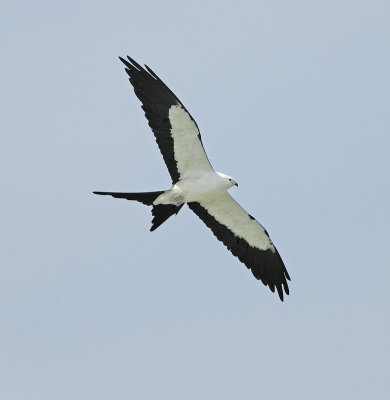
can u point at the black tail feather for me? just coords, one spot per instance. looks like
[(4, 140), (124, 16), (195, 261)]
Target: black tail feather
[(143, 197), (160, 212)]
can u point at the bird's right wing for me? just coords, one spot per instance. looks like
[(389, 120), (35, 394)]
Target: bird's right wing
[(245, 238), (176, 132)]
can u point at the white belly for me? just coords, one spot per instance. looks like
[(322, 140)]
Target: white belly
[(193, 189)]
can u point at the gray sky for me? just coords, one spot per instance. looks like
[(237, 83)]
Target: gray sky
[(292, 99)]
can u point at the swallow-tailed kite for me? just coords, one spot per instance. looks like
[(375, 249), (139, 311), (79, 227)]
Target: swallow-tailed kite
[(195, 182)]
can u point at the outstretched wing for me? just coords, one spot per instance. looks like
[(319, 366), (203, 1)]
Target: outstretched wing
[(245, 238), (176, 132)]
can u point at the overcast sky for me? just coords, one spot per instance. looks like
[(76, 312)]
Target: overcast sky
[(292, 99)]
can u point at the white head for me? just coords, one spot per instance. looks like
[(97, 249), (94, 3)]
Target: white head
[(227, 180)]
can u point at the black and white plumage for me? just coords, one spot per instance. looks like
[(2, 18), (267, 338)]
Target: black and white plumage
[(196, 183)]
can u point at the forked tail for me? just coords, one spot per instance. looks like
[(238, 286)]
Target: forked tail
[(160, 212)]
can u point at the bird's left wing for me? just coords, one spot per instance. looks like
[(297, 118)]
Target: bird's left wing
[(176, 132), (245, 238)]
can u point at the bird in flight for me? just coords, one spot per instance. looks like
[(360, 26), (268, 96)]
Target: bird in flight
[(195, 183)]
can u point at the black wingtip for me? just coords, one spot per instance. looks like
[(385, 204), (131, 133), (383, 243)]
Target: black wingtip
[(280, 292), (130, 64), (287, 275), (151, 72), (122, 59)]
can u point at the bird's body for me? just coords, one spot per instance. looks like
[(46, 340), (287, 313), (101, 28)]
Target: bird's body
[(200, 187), (195, 183)]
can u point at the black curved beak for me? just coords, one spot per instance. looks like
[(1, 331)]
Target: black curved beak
[(236, 184)]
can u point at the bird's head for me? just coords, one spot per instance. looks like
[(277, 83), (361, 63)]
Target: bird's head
[(228, 180)]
